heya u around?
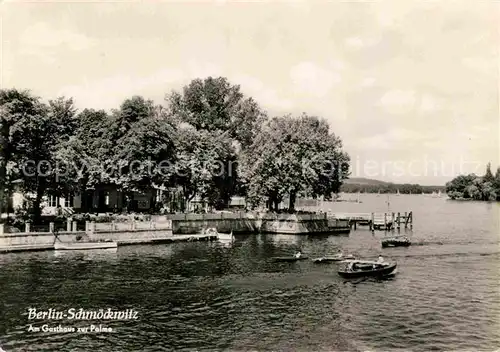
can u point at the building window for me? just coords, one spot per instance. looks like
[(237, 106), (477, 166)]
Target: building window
[(68, 201), (53, 201)]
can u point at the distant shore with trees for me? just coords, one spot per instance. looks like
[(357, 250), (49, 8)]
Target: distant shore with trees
[(473, 187), (364, 185)]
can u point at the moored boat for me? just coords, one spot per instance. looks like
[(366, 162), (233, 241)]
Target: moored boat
[(362, 268), (84, 245), (226, 237), (396, 242)]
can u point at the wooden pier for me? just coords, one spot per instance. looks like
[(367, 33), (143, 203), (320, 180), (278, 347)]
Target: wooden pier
[(378, 221)]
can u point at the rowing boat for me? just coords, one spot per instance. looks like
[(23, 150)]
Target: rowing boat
[(225, 236), (396, 242), (360, 268)]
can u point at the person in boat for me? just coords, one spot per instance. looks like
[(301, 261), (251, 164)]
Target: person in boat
[(298, 255), (380, 263)]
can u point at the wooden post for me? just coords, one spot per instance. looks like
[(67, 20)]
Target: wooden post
[(355, 223), (399, 220), (385, 221), (74, 226), (68, 225), (406, 220), (51, 227), (411, 219), (392, 221), (27, 227), (372, 220)]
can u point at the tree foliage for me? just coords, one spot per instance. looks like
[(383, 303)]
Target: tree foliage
[(210, 141), (32, 133), (485, 188), (294, 156), (214, 104)]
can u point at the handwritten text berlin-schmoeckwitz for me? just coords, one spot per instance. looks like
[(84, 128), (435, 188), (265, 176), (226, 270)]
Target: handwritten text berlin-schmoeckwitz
[(82, 314)]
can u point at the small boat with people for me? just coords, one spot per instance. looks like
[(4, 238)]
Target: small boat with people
[(340, 256), (296, 257), (366, 268), (224, 237), (85, 245), (396, 241)]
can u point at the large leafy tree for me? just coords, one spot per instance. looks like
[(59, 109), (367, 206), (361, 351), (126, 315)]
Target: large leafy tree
[(204, 165), (496, 183), (486, 188), (294, 156), (31, 134), (488, 176), (82, 158), (143, 147), (457, 187), (215, 107), (145, 155)]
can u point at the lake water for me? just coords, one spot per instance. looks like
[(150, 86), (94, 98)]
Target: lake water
[(206, 296)]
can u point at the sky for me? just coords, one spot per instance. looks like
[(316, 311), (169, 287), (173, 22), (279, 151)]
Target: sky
[(411, 87)]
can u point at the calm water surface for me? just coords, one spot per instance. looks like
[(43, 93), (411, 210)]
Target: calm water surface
[(201, 296)]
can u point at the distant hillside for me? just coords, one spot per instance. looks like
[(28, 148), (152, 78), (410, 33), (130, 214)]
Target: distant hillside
[(364, 181), (367, 185)]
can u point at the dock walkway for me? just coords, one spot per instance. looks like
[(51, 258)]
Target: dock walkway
[(377, 221)]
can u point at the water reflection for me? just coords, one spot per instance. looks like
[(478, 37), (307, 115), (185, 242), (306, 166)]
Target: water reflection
[(286, 239), (91, 254)]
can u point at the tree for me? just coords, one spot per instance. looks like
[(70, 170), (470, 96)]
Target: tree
[(488, 177), (31, 131), (488, 191), (216, 106), (496, 183), (203, 165), (82, 159), (39, 137), (294, 156), (459, 186), (145, 155)]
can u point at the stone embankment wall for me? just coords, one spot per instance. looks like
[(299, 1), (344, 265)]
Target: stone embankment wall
[(124, 233), (170, 227), (257, 222)]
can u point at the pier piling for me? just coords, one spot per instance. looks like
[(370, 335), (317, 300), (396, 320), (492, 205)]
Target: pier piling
[(387, 221)]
